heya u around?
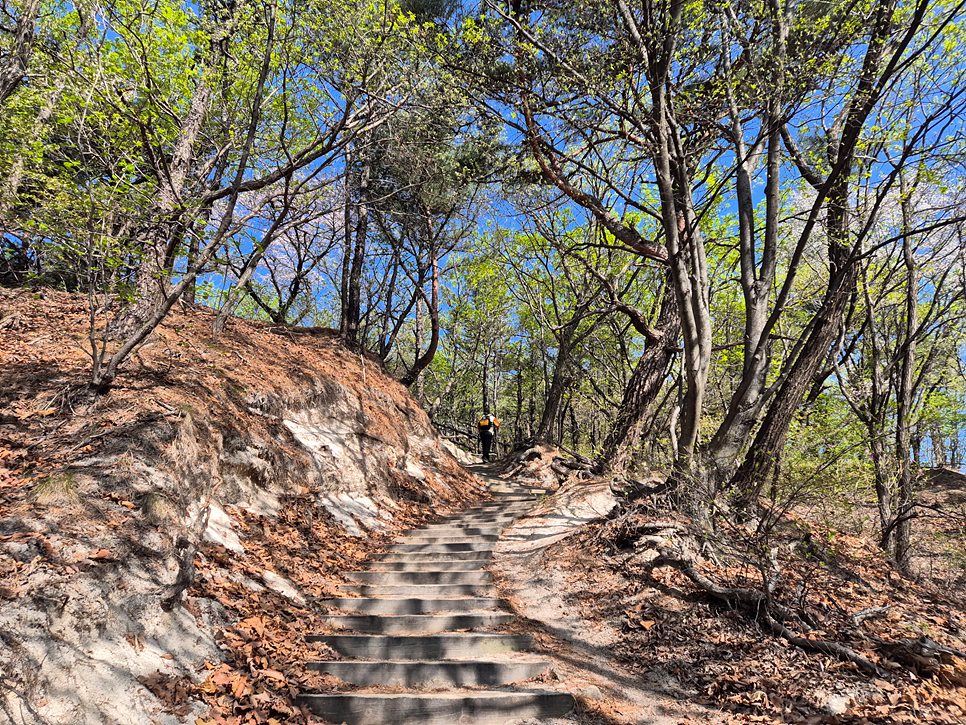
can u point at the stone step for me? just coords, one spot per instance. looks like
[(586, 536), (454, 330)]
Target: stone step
[(425, 563), (393, 555), (423, 647), (412, 605), (442, 548), (448, 530), (420, 577), (438, 708), (494, 508), (497, 508), (421, 590), (503, 520), (417, 623), (429, 538), (469, 518), (412, 673), (514, 508)]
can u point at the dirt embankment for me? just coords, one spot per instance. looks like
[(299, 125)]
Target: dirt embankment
[(161, 545)]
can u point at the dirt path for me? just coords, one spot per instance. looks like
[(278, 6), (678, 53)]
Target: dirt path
[(541, 589)]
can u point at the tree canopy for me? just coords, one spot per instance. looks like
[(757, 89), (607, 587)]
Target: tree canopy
[(723, 240)]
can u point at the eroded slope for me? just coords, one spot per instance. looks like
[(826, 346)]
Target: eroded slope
[(161, 545)]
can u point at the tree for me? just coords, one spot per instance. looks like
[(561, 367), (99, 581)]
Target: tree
[(910, 307), (17, 53), (892, 41), (169, 164)]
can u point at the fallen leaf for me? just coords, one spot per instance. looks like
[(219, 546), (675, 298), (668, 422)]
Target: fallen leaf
[(240, 687)]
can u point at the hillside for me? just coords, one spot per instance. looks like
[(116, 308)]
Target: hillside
[(164, 547), (247, 470), (674, 625), (702, 262)]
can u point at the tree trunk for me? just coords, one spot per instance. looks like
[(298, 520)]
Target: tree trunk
[(151, 286), (761, 460), (721, 454), (531, 415), (484, 389), (15, 66), (353, 308), (574, 428), (347, 227), (423, 361), (906, 392), (640, 395), (518, 422), (557, 388), (689, 275), (883, 479)]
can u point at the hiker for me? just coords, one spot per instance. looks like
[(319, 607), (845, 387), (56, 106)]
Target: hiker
[(489, 425)]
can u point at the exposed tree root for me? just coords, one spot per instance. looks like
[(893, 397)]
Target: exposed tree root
[(928, 658), (757, 603)]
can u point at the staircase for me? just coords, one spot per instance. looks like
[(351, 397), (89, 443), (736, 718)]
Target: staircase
[(421, 641)]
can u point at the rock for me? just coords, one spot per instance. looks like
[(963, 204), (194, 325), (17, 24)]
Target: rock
[(591, 692), (832, 703), (263, 503), (458, 453), (283, 586), (414, 471), (24, 552), (355, 512), (244, 581), (220, 530)]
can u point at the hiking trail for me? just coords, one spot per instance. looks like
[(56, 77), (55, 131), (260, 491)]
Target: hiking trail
[(421, 640)]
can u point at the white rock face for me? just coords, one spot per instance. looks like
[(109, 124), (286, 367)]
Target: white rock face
[(334, 446), (458, 453), (89, 638), (92, 648), (282, 586), (353, 464), (414, 471), (356, 513), (261, 502), (220, 528)]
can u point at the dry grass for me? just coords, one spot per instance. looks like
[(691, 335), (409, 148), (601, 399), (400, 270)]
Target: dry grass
[(55, 488)]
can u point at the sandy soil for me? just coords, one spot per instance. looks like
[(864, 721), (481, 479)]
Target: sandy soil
[(542, 588)]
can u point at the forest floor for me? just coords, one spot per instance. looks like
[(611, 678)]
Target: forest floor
[(87, 544), (652, 647), (543, 589)]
